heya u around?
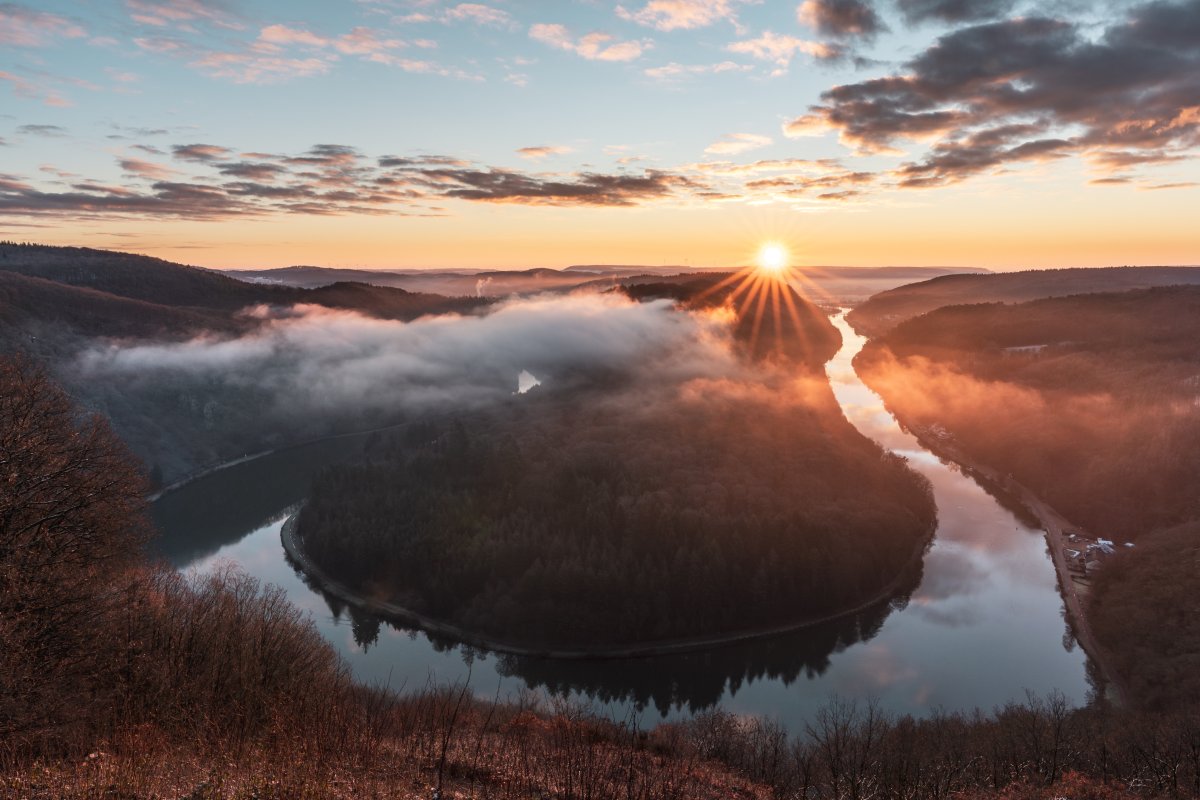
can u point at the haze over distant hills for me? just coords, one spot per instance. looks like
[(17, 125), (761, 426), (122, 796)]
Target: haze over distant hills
[(823, 284)]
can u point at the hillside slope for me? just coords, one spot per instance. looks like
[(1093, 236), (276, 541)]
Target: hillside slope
[(62, 305), (165, 283), (1093, 402), (886, 310), (27, 303)]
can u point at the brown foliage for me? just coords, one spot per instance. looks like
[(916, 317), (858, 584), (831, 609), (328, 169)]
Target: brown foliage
[(70, 529)]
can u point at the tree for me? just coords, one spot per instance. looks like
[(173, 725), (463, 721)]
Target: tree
[(71, 530)]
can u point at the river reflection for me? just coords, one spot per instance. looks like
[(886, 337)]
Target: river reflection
[(979, 623), (680, 682)]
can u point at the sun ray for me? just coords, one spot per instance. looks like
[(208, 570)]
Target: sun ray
[(777, 288)]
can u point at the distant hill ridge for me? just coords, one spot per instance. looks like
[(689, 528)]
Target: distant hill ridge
[(164, 283), (886, 310), (825, 285), (127, 275)]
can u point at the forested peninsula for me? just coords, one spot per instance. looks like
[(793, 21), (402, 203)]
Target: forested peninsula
[(621, 512)]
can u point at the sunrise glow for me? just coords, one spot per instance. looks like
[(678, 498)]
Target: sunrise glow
[(772, 257), (382, 134)]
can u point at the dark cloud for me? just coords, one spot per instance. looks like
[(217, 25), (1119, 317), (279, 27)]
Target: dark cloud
[(842, 19), (958, 160), (203, 153), (1033, 88), (327, 155), (507, 186), (954, 11), (845, 194), (252, 170), (42, 130), (90, 200), (415, 161), (327, 179)]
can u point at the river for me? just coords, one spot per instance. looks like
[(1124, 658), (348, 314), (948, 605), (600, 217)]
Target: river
[(982, 625)]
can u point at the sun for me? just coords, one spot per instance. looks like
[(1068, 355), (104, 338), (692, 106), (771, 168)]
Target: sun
[(772, 257)]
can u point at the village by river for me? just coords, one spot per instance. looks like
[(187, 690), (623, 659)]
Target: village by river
[(982, 623)]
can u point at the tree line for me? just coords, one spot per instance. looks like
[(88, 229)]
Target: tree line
[(596, 519), (122, 679), (1093, 402)]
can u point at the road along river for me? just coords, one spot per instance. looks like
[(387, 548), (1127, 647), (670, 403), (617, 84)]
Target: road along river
[(982, 623)]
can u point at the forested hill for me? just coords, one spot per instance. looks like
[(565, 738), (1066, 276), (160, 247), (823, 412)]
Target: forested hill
[(59, 302), (128, 275), (590, 519), (1089, 400), (35, 307), (154, 280), (884, 311), (1093, 402), (773, 321)]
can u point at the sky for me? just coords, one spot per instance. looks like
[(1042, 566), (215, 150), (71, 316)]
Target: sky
[(513, 133)]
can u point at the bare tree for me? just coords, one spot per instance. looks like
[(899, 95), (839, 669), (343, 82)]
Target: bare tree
[(71, 527)]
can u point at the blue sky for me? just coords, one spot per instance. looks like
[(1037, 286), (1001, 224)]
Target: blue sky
[(523, 133)]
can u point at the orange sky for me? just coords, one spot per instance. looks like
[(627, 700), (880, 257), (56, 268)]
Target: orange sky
[(977, 225), (520, 134)]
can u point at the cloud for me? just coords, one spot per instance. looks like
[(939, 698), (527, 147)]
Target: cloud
[(252, 170), (53, 131), (360, 41), (841, 195), (478, 14), (183, 14), (806, 165), (200, 152), (281, 52), (261, 69), (146, 169), (955, 11), (1176, 185), (21, 26), (423, 67), (807, 125), (841, 19), (838, 185), (586, 188), (781, 49), (978, 153), (327, 179), (315, 360), (543, 151), (33, 90), (283, 35), (735, 143), (669, 15), (594, 46), (1031, 88), (675, 71)]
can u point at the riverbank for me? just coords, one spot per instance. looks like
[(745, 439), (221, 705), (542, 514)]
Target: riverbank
[(204, 472), (1054, 524), (406, 616)]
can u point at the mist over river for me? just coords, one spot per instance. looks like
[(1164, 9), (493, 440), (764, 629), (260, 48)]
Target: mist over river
[(980, 625)]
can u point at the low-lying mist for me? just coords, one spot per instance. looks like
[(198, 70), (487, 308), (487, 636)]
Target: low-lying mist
[(310, 359), (308, 371)]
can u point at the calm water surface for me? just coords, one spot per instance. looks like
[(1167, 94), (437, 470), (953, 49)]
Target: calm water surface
[(981, 624)]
